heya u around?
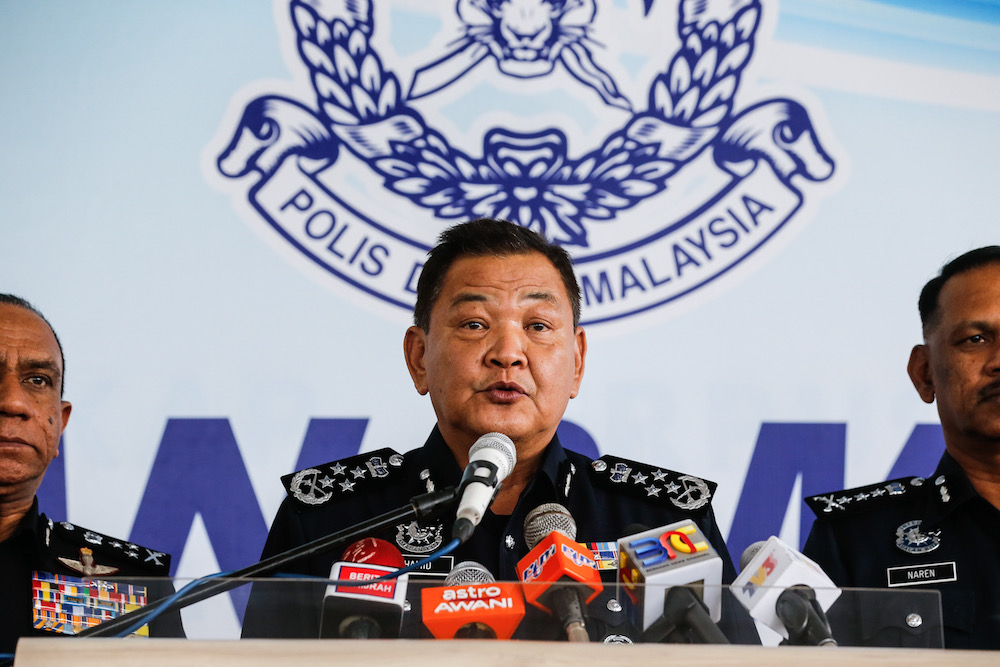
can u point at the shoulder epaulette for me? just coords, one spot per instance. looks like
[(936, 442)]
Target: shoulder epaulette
[(84, 544), (864, 498), (340, 479), (657, 485)]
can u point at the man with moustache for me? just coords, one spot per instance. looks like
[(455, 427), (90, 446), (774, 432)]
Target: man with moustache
[(32, 546), (496, 345), (942, 532)]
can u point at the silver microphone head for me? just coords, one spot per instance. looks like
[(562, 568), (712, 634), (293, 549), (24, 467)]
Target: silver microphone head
[(469, 572), (502, 445), (546, 518), (749, 553)]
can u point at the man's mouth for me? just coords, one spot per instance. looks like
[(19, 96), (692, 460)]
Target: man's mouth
[(505, 391)]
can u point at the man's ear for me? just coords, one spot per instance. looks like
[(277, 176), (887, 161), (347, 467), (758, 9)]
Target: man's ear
[(919, 369), (414, 348), (579, 359)]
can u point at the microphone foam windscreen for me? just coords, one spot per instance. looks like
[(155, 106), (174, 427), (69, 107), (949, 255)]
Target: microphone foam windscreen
[(500, 443), (469, 572), (546, 518), (749, 553)]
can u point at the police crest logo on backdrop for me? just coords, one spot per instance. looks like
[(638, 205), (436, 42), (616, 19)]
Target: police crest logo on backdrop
[(644, 165)]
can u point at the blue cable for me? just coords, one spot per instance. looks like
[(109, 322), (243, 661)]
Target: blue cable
[(166, 602)]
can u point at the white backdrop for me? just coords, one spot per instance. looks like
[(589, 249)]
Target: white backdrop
[(175, 300)]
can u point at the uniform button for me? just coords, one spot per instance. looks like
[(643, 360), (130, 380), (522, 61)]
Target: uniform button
[(599, 466), (509, 541), (914, 620), (614, 606), (939, 481)]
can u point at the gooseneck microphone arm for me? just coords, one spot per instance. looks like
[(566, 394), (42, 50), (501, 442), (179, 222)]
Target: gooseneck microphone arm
[(420, 507)]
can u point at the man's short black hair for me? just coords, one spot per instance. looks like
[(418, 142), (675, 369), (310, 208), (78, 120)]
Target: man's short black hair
[(930, 294), (12, 300), (487, 237)]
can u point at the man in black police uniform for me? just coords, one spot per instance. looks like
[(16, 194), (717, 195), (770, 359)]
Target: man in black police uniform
[(32, 417), (497, 347), (942, 532)]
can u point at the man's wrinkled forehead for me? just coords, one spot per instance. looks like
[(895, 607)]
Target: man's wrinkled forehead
[(470, 295), (19, 326), (976, 288)]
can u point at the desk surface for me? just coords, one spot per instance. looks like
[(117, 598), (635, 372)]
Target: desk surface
[(155, 652)]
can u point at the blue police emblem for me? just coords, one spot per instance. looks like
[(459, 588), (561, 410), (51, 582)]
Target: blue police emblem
[(641, 163), (912, 540)]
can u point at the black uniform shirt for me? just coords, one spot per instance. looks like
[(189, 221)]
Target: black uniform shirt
[(38, 543), (912, 534), (605, 497)]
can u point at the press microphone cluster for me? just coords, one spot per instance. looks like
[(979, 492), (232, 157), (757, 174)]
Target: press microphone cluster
[(557, 570), (472, 605), (672, 579), (365, 611), (786, 591), (491, 459)]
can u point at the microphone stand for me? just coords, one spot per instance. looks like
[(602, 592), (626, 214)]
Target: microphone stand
[(421, 507), (684, 610), (803, 617)]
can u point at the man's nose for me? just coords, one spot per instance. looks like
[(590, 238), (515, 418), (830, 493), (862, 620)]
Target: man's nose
[(13, 402), (993, 363), (507, 347)]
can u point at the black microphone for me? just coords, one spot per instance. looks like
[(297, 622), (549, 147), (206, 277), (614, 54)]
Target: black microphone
[(491, 459), (776, 586)]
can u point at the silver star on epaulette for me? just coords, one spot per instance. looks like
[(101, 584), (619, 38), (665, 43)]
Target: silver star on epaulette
[(326, 482), (878, 492), (653, 491), (337, 469), (359, 473), (862, 496), (659, 475), (844, 500), (640, 478), (347, 485), (672, 488)]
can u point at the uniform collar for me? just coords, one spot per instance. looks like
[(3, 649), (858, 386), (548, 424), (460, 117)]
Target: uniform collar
[(436, 457), (27, 530), (949, 489)]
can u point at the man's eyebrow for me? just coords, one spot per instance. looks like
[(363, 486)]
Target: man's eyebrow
[(467, 297), (542, 296), (42, 365), (981, 325), (475, 297)]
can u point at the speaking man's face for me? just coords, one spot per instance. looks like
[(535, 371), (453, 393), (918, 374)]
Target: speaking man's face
[(501, 353)]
